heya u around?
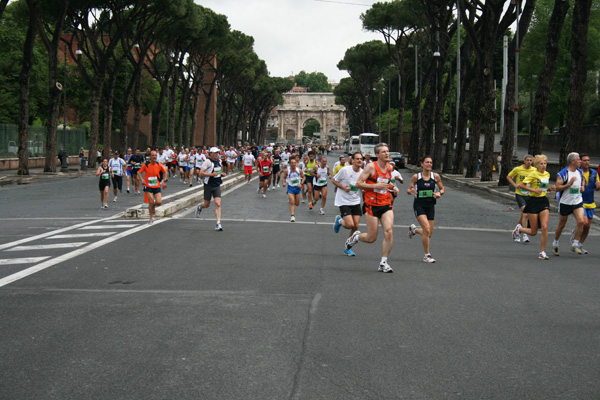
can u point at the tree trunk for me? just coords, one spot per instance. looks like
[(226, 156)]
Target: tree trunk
[(208, 99), (438, 117), (542, 96), (413, 154), (108, 114), (137, 100), (94, 117), (487, 160), (172, 108), (579, 57), (508, 136), (53, 113), (24, 81), (476, 120)]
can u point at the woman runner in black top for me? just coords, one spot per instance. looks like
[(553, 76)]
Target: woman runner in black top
[(104, 172), (422, 186)]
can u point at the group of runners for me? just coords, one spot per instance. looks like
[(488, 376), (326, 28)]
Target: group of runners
[(574, 188)]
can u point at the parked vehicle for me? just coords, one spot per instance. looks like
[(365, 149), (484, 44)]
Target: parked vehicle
[(398, 158)]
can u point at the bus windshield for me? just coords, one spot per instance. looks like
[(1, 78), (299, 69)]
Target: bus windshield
[(368, 139)]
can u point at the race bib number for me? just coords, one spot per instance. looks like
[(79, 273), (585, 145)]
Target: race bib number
[(322, 182), (295, 181), (381, 180), (425, 193), (217, 170), (524, 192), (544, 184), (265, 169), (152, 181), (574, 190), (104, 175), (353, 188), (276, 162)]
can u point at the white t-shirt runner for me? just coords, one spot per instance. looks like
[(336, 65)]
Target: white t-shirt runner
[(248, 160), (347, 177), (572, 195)]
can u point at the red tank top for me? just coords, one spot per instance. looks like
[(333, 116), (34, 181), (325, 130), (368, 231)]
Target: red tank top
[(376, 197)]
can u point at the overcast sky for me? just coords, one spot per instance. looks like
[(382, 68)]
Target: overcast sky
[(296, 35)]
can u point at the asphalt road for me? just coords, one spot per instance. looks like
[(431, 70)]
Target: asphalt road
[(269, 309)]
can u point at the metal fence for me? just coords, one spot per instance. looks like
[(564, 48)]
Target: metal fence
[(9, 140)]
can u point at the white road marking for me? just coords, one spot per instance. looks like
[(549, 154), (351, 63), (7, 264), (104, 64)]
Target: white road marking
[(47, 246), (81, 235), (44, 235), (57, 260), (28, 260), (123, 226)]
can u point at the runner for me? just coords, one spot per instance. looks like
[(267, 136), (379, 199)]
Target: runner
[(309, 166), (191, 165), (276, 169), (212, 174), (129, 168), (293, 177), (396, 177), (521, 195), (117, 166), (339, 165), (182, 161), (231, 156), (155, 178), (347, 197), (249, 162), (104, 173), (422, 186), (569, 187), (200, 158), (592, 184), (538, 206), (136, 161), (375, 180), (302, 166), (321, 173), (264, 167)]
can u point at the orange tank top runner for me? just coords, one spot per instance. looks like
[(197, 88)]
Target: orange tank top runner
[(153, 174), (376, 197)]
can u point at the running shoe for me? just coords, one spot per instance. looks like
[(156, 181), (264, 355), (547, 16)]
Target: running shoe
[(384, 267), (572, 239), (352, 240), (127, 190), (412, 231), (115, 200), (576, 249), (151, 221), (525, 238), (258, 190), (428, 258), (337, 224), (543, 256), (310, 205), (218, 227), (555, 250), (516, 231), (106, 205), (303, 200), (278, 186), (191, 183), (584, 251), (198, 210), (518, 238), (321, 211), (102, 206), (349, 253), (274, 187), (264, 196), (293, 219), (268, 189)]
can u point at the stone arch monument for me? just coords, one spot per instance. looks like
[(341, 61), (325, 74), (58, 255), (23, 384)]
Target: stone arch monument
[(298, 108)]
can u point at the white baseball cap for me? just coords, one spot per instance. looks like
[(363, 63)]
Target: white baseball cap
[(214, 150)]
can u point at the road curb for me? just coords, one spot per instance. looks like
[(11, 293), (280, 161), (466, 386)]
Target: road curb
[(179, 203)]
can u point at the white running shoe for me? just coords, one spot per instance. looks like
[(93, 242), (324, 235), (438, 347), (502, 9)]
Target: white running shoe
[(525, 238), (352, 240), (384, 267), (518, 238), (278, 186), (268, 189), (576, 249), (428, 258), (293, 219), (218, 227), (412, 231), (584, 251), (322, 212), (304, 200), (151, 221), (115, 199), (198, 210), (516, 231), (543, 256), (264, 196)]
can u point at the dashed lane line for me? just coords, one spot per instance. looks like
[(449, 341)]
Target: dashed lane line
[(81, 235), (47, 246), (25, 260)]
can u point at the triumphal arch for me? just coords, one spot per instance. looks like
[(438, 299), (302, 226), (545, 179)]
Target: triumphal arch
[(299, 108)]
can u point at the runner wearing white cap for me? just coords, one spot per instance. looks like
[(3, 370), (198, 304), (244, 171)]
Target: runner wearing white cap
[(212, 174)]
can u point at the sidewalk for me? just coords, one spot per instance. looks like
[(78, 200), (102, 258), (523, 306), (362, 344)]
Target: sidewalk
[(10, 177)]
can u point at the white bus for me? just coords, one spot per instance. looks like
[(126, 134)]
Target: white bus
[(365, 143)]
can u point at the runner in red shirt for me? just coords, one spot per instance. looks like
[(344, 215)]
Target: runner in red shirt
[(155, 178), (264, 166)]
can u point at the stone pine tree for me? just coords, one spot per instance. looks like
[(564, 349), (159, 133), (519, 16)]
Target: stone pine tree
[(579, 57), (542, 95)]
